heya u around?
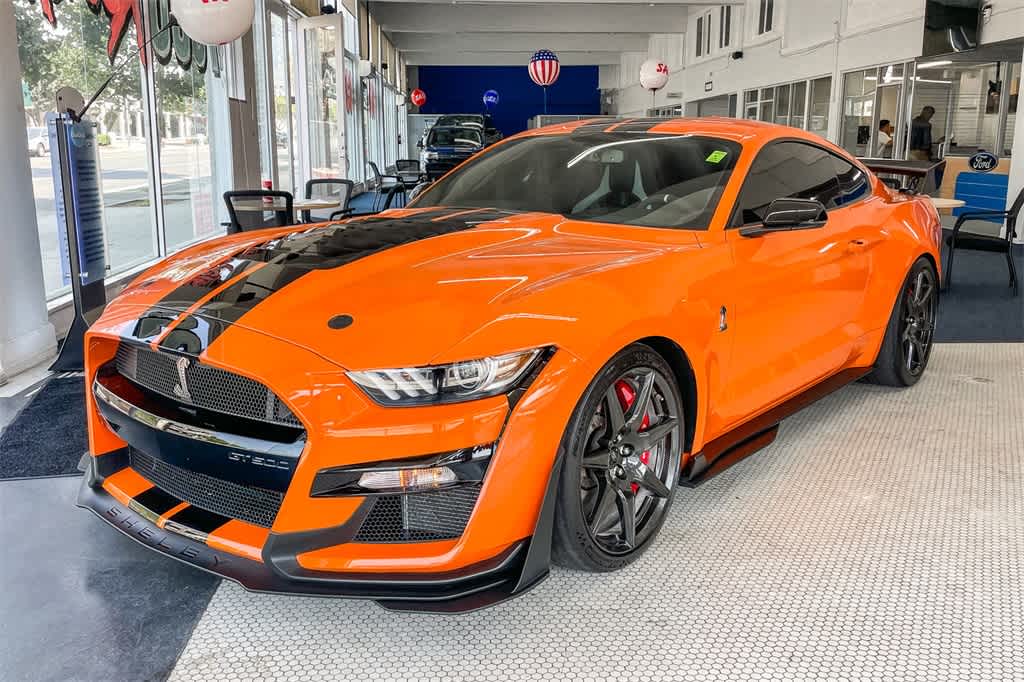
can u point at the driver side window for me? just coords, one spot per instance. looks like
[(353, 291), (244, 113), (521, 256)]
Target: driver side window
[(786, 170)]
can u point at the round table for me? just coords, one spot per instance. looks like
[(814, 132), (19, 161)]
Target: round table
[(943, 204)]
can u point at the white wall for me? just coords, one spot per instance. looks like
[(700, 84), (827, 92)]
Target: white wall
[(812, 38)]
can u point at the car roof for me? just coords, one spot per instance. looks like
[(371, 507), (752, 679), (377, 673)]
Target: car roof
[(740, 130)]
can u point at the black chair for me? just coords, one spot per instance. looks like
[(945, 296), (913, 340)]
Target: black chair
[(334, 189), (409, 170), (989, 243), (375, 182), (256, 209)]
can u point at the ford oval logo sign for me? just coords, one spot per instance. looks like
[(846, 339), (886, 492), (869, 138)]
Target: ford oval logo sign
[(983, 162)]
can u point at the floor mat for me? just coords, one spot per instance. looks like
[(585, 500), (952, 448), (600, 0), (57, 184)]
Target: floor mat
[(980, 306), (47, 438)]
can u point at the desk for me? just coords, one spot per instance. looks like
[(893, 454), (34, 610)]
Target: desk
[(942, 203)]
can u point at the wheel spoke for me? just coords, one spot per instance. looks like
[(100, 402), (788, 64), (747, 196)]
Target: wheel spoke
[(918, 348), (921, 297), (605, 508), (645, 476), (657, 432), (615, 416), (918, 283), (600, 459), (640, 403), (627, 516), (910, 353)]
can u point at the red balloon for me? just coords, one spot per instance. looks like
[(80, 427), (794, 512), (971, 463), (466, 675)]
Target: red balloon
[(418, 97)]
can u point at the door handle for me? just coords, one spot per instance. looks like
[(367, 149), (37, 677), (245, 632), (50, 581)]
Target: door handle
[(856, 245)]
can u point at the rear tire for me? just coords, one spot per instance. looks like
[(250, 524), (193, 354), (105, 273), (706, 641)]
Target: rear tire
[(907, 345), (620, 463)]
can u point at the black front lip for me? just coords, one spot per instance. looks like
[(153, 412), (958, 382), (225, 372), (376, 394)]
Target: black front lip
[(514, 571)]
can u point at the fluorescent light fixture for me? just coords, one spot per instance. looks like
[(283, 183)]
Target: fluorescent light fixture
[(932, 65), (926, 80)]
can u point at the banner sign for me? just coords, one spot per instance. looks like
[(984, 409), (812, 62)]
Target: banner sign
[(170, 44), (87, 199)]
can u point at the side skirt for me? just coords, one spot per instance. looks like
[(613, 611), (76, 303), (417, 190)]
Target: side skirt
[(751, 436)]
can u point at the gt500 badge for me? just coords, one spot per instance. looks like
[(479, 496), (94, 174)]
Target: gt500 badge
[(259, 460)]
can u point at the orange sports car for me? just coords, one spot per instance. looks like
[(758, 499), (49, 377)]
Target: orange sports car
[(427, 407)]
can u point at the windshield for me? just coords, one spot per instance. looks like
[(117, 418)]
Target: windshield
[(454, 137), (647, 180)]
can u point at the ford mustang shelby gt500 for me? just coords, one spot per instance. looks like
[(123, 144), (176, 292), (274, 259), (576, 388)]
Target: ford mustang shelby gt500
[(428, 407)]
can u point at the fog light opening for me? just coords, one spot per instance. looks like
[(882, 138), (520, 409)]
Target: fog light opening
[(408, 480)]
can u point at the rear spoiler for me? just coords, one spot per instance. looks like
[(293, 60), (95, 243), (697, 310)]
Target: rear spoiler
[(911, 177)]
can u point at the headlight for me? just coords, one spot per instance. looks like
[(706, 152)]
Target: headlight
[(457, 382), (430, 156)]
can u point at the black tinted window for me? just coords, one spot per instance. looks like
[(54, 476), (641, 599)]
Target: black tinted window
[(787, 170), (629, 179), (853, 182)]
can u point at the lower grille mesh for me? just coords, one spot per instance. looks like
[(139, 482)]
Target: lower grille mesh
[(418, 517), (254, 505)]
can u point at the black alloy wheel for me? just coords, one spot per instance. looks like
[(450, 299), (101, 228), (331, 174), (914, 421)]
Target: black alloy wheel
[(907, 345), (917, 323), (621, 463)]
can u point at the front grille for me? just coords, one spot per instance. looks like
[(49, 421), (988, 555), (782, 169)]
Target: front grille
[(254, 505), (206, 387), (419, 517)]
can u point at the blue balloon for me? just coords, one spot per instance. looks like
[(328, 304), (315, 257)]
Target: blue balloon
[(491, 98)]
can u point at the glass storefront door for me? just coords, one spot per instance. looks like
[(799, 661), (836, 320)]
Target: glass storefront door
[(282, 113), (322, 133)]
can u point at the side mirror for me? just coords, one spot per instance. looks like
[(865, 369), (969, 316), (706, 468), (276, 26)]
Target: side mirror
[(784, 215), (419, 144)]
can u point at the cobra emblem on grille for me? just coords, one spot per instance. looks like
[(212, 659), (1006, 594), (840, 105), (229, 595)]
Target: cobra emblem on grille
[(181, 388)]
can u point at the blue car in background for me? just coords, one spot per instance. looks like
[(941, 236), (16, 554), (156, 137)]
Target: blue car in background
[(448, 146)]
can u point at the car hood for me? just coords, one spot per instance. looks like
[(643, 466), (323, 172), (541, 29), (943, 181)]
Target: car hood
[(387, 290)]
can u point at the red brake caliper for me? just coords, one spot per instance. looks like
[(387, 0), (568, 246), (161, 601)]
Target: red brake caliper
[(626, 397)]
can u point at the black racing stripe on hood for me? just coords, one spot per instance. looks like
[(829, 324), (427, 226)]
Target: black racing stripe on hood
[(168, 310), (289, 258), (163, 313)]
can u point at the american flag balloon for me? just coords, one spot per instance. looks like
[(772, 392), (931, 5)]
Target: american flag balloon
[(544, 67)]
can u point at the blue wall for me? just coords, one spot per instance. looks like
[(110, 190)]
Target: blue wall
[(460, 90)]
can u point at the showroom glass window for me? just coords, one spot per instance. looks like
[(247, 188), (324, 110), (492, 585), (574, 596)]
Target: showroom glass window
[(191, 103), (159, 174), (788, 170), (653, 181), (765, 16), (74, 53)]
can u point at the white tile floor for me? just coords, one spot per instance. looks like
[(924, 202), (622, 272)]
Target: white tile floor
[(880, 537)]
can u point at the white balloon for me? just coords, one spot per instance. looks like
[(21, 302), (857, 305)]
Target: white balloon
[(653, 74), (214, 22)]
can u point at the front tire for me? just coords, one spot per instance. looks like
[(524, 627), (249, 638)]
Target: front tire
[(620, 463), (907, 345)]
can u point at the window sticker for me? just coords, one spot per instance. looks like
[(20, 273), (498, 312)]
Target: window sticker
[(716, 156)]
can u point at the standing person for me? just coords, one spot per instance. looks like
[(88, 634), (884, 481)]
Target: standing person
[(921, 135), (885, 131)]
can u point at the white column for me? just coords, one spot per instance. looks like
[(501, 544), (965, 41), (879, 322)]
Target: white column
[(1017, 168), (26, 335)]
